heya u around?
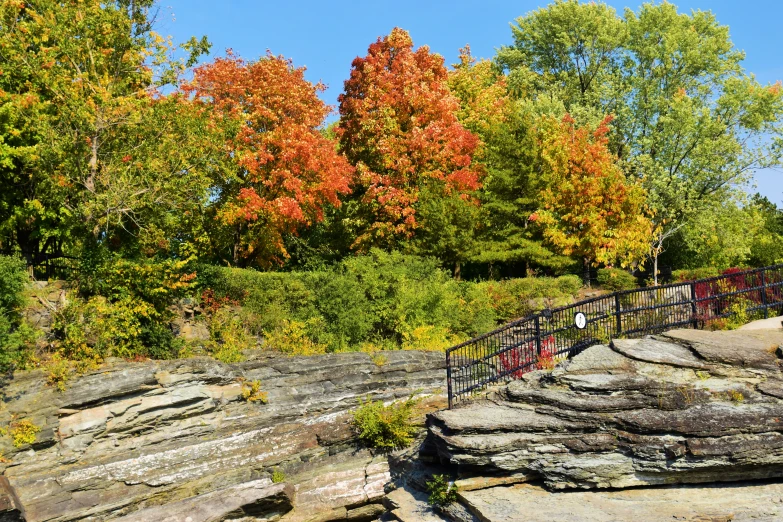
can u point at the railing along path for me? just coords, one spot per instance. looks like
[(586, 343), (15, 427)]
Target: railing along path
[(542, 339)]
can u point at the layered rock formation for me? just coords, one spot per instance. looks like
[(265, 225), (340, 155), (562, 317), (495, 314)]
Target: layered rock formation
[(684, 407), (175, 441)]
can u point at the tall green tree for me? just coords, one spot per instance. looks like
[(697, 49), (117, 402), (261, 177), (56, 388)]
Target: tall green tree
[(94, 151), (501, 234), (689, 121)]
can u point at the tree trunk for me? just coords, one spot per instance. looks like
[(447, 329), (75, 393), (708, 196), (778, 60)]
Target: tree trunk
[(586, 265), (457, 270), (655, 268)]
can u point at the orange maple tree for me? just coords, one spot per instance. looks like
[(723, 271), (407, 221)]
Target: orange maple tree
[(281, 171), (398, 126), (588, 207)]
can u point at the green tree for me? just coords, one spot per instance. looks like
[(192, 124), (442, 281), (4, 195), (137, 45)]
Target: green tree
[(91, 147), (722, 235), (766, 248), (689, 122), (501, 233)]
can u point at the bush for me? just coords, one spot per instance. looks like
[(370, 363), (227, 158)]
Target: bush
[(296, 338), (24, 432), (17, 337), (278, 476), (511, 298), (385, 427), (13, 278), (692, 274), (123, 310), (442, 493), (228, 337), (615, 279), (382, 298), (17, 343), (251, 392)]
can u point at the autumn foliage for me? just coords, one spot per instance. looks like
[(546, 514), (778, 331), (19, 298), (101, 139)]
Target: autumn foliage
[(399, 127), (588, 208), (281, 170)]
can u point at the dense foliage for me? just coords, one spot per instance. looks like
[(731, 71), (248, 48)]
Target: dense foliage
[(377, 301), (594, 140)]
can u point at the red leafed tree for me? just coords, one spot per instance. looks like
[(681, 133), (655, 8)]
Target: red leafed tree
[(398, 126), (278, 170)]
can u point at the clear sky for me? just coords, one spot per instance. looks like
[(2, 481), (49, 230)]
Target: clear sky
[(325, 37)]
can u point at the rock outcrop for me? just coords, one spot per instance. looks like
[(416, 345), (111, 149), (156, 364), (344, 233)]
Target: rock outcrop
[(684, 407), (175, 440)]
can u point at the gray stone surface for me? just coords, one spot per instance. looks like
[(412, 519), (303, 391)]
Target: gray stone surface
[(731, 502), (685, 407), (772, 323), (158, 440)]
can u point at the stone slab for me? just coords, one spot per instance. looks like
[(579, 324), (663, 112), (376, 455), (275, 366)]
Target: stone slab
[(720, 503)]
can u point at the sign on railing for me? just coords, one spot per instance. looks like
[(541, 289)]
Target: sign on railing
[(542, 339)]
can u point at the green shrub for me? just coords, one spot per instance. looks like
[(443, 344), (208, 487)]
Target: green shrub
[(251, 392), (296, 338), (228, 337), (95, 328), (58, 373), (17, 343), (615, 279), (123, 309), (17, 337), (158, 283), (278, 476), (380, 298), (511, 298), (691, 274), (24, 432), (13, 278), (385, 427), (270, 298), (441, 491)]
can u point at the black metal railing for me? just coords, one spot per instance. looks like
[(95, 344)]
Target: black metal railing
[(46, 266), (542, 339)]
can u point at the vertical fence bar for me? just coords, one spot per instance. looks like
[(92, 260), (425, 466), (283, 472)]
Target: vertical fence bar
[(537, 322), (617, 312), (448, 379), (764, 294), (694, 320)]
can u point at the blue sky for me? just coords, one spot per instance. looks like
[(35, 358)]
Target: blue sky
[(325, 37)]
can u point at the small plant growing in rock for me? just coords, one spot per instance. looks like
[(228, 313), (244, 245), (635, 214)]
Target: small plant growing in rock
[(58, 373), (546, 362), (379, 359), (23, 432), (278, 476), (687, 393), (385, 427), (251, 392), (735, 396), (703, 376), (441, 491)]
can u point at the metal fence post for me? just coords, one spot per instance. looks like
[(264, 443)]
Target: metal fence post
[(448, 377), (537, 322), (617, 312), (764, 294), (693, 305)]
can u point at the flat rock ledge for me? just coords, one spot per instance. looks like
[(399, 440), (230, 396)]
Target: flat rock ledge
[(685, 407), (175, 441)]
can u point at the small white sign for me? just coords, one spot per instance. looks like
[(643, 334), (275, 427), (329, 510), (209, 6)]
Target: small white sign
[(580, 320)]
